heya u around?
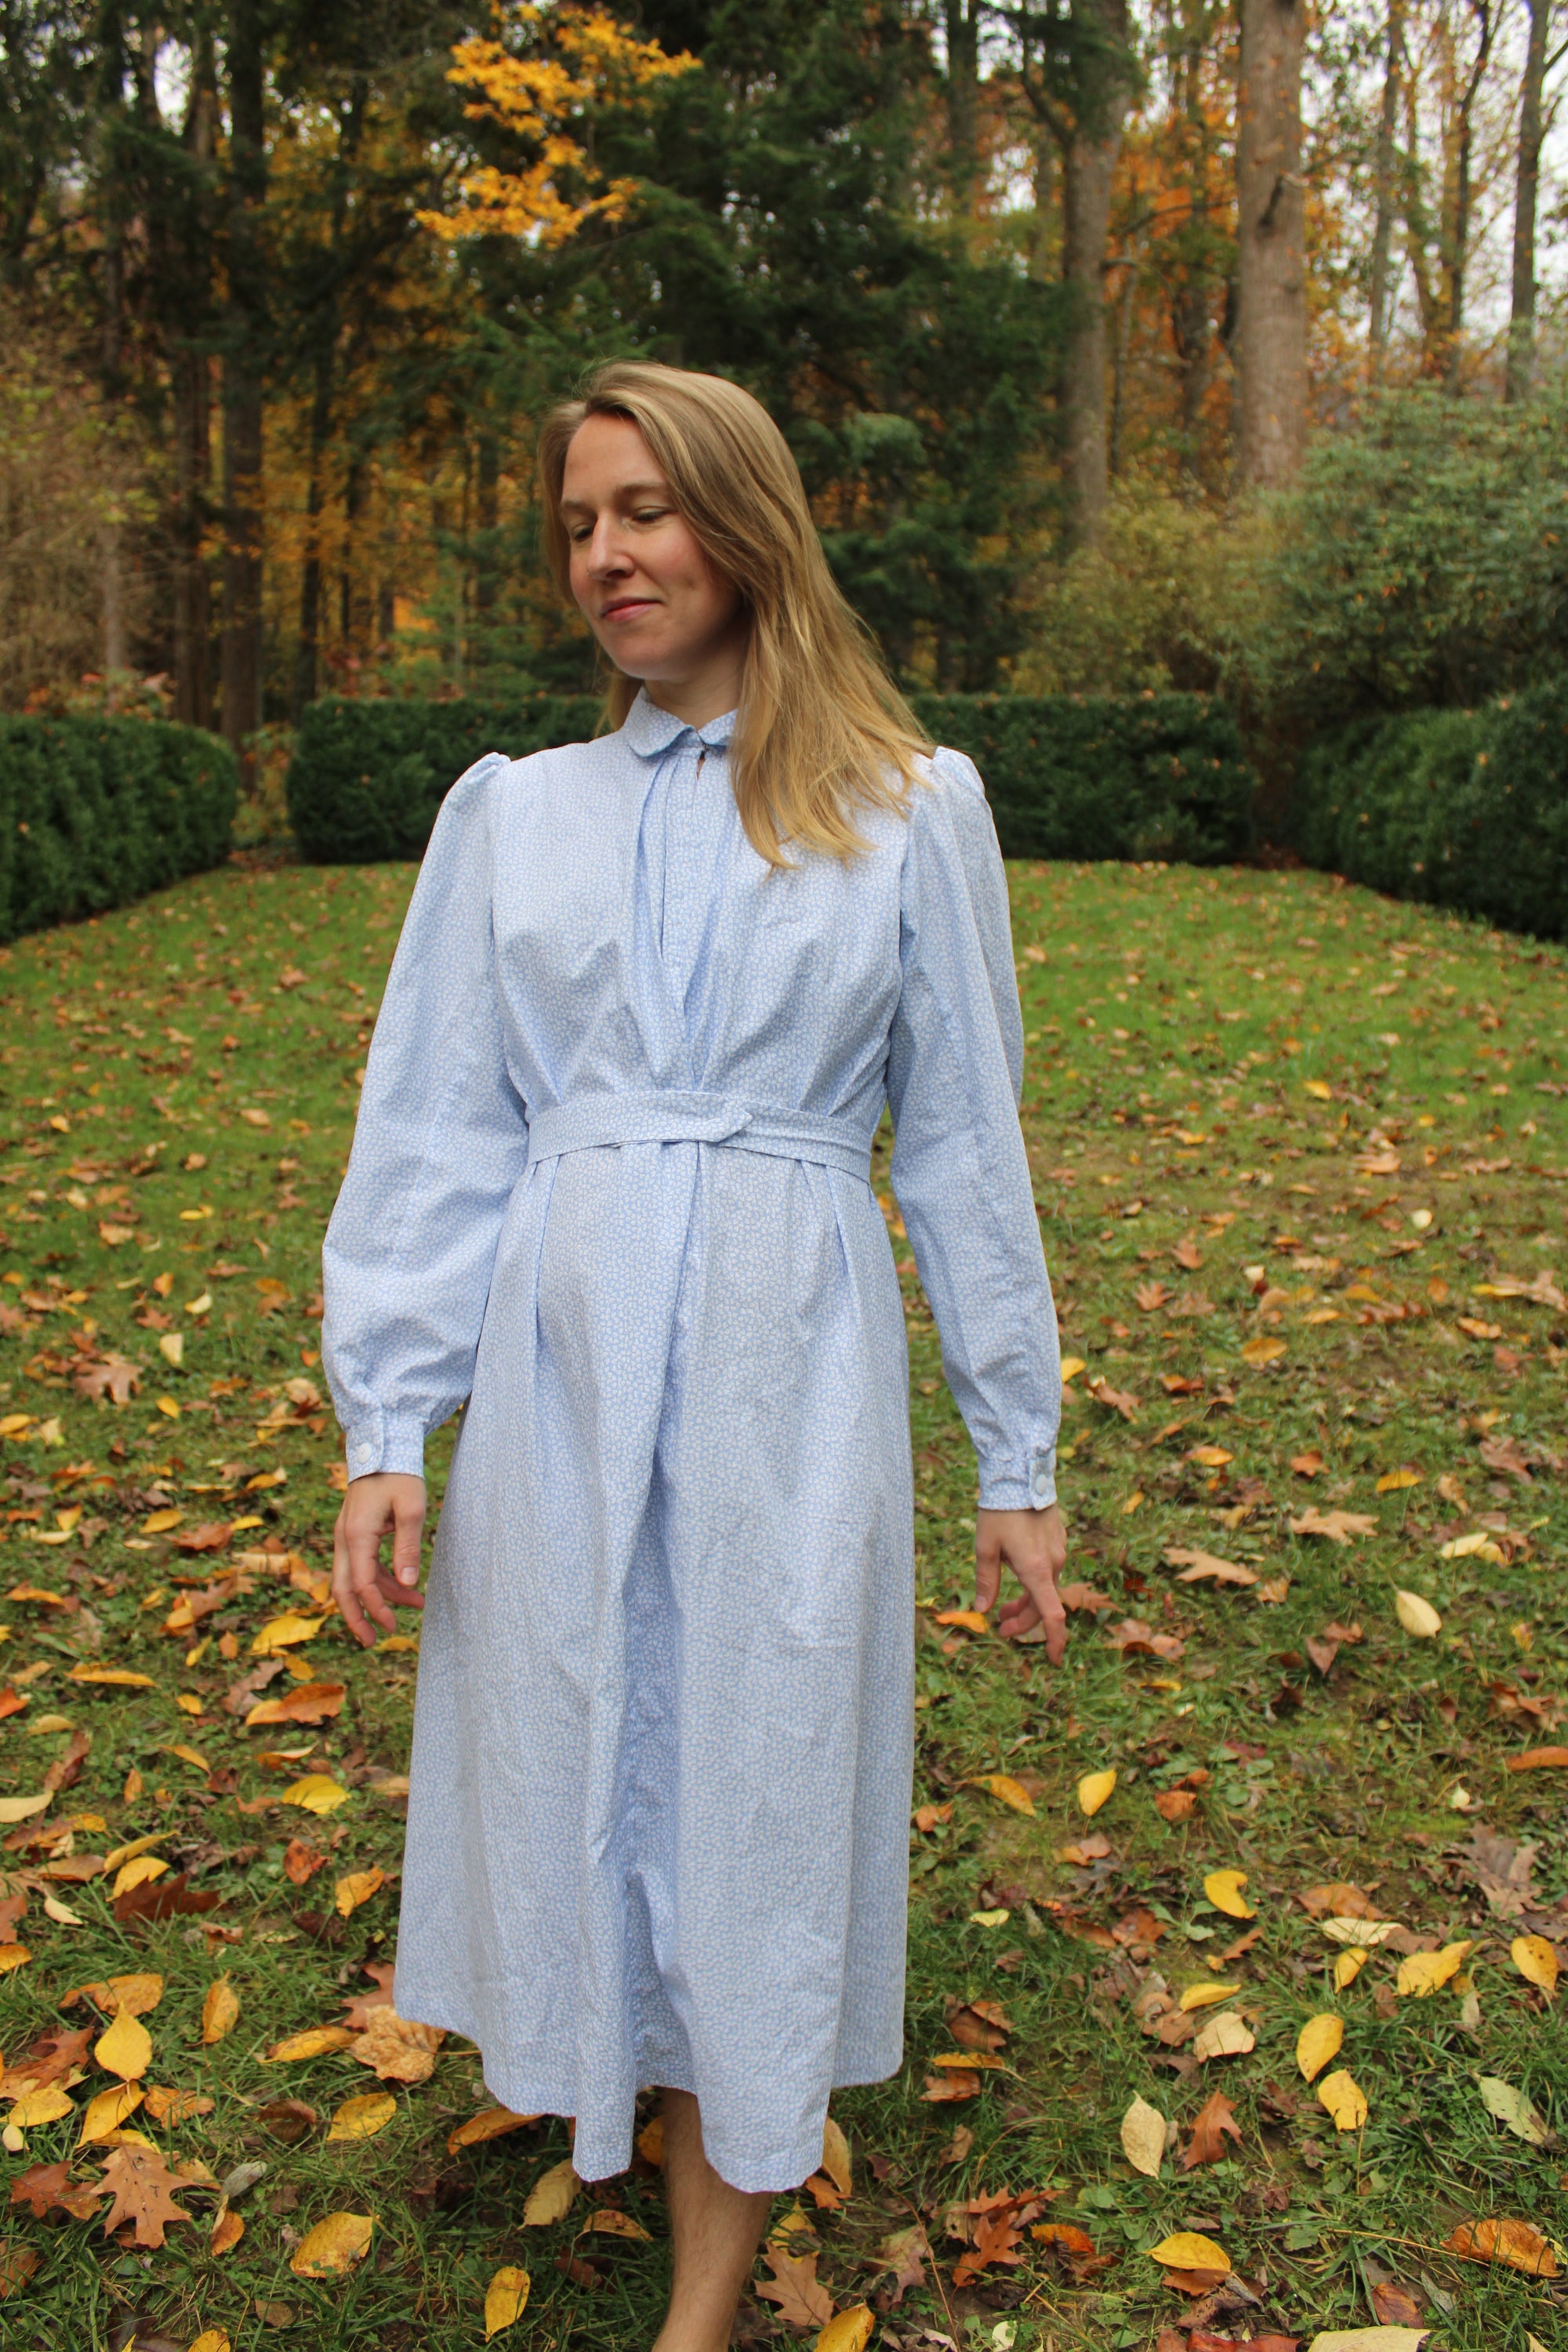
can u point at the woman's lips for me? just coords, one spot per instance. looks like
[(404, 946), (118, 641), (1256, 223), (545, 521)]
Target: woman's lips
[(628, 609)]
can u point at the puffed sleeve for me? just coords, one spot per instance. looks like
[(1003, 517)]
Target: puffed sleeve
[(959, 1168), (441, 1141)]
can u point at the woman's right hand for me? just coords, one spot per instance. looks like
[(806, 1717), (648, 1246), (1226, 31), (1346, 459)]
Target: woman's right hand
[(387, 1502)]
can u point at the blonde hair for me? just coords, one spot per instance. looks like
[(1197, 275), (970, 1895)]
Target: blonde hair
[(821, 731)]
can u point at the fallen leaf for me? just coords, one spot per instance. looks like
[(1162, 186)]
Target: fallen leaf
[(357, 1888), (801, 2301), (1006, 1790), (1536, 1962), (1344, 2100), (1095, 1789), (336, 2243), (1263, 1352), (1175, 1804), (551, 2196), (220, 2011), (120, 1677), (22, 1809), (1143, 2138), (399, 2049), (107, 2112), (1214, 2119), (1084, 1852), (1187, 2250), (300, 1862), (848, 2331), (315, 2041), (288, 2119), (44, 2186), (1370, 2339), (835, 2158), (506, 2299), (1196, 1567), (284, 1633), (308, 1703), (1348, 1966), (491, 2122), (1395, 2305), (142, 2187), (1205, 1996), (318, 1792), (973, 1621), (1338, 1526), (1534, 1759), (1417, 1616), (1516, 2243), (34, 2107), (610, 2223), (1421, 1974), (1223, 1888), (125, 2048), (1225, 2035), (18, 2264), (905, 2252), (1319, 2041), (362, 2117), (1510, 2106), (168, 2107)]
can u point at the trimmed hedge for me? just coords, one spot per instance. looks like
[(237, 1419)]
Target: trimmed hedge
[(1157, 776), (96, 812), (1466, 809)]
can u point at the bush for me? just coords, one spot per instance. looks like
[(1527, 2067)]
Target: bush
[(368, 776), (1163, 776), (1466, 809), (95, 812)]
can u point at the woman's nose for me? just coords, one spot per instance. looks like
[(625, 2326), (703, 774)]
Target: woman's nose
[(605, 554)]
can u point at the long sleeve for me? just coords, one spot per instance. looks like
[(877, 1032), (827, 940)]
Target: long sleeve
[(442, 1140), (959, 1168)]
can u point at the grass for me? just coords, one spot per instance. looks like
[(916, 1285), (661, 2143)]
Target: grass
[(1260, 1107)]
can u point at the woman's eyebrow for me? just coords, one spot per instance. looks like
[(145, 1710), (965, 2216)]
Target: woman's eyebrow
[(628, 490)]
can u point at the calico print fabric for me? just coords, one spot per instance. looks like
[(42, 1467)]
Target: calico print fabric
[(608, 1195)]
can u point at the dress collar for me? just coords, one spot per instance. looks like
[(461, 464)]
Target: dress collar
[(650, 730)]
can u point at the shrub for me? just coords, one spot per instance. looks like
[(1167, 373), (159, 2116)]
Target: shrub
[(1163, 776), (368, 776), (1158, 775), (1466, 809), (96, 811)]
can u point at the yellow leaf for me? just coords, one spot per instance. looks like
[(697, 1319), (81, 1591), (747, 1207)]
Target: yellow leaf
[(506, 2299), (106, 2113), (120, 1675), (836, 2159), (1263, 1352), (611, 2224), (188, 1703), (1223, 1888), (1318, 2042), (361, 2119), (1366, 1933), (138, 1994), (1534, 1958), (137, 1845), (1189, 2251), (989, 1918), (1423, 1973), (316, 1793), (1319, 1089), (212, 2339), (1207, 1996), (138, 1872), (551, 2197), (1348, 1966), (1225, 2034), (45, 2106), (284, 1633), (848, 2331), (159, 1522), (316, 2042), (1417, 1616), (1143, 2138), (1343, 2100), (1071, 1366), (22, 1809), (357, 1888), (493, 2123), (1393, 1482), (1009, 1791), (336, 2243), (172, 1347), (124, 2048), (187, 1754), (220, 2011), (1094, 1789)]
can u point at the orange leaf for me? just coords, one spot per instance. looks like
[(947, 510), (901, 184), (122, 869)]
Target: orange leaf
[(1513, 2242), (1214, 2119), (142, 2187)]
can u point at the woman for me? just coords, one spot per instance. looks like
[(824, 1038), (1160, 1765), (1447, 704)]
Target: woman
[(609, 1195)]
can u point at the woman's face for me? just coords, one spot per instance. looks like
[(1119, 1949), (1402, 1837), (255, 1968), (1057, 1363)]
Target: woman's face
[(645, 587)]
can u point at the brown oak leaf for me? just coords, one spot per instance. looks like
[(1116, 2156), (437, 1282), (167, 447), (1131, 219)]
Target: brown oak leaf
[(46, 2186), (803, 2302), (142, 2187), (1214, 2119)]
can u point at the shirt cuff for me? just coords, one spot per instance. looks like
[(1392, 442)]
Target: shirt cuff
[(384, 1441), (1033, 1489)]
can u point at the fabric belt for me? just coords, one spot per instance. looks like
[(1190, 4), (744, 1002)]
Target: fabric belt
[(591, 1121)]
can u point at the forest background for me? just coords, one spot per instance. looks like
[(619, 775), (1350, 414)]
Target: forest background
[(285, 290)]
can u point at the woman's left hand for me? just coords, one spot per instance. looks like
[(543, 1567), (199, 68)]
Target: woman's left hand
[(1035, 1546)]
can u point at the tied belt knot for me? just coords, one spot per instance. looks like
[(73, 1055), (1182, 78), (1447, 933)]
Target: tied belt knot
[(591, 1121)]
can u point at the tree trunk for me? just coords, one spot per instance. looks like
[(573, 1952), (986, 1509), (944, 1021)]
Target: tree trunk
[(1271, 326), (960, 26), (191, 376), (350, 122), (1089, 168), (1457, 239), (242, 379), (1382, 291), (1521, 321)]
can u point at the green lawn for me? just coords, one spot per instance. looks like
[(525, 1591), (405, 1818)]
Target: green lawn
[(1290, 1143)]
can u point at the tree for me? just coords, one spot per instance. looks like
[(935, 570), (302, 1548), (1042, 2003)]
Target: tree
[(1271, 275), (1381, 302), (1521, 321)]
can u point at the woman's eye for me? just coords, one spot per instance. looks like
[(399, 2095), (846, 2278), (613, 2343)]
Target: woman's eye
[(650, 514)]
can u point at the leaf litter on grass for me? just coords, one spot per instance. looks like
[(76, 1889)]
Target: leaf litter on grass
[(1241, 1702)]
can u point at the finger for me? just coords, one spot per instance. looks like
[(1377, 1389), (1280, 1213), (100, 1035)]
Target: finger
[(1020, 1616), (409, 1521), (371, 1593), (987, 1571), (1055, 1619)]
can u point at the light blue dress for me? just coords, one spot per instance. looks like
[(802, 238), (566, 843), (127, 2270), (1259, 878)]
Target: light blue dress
[(609, 1195)]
